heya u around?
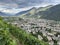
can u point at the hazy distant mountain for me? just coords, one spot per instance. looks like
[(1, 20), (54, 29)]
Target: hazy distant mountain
[(5, 14), (2, 14)]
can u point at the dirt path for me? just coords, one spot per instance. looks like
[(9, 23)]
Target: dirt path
[(18, 42)]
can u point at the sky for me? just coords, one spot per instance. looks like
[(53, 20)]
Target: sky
[(10, 6), (26, 3)]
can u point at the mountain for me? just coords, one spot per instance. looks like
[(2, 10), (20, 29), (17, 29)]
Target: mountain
[(5, 14), (52, 13), (49, 12), (23, 12), (36, 12), (44, 8), (20, 13), (27, 12), (42, 11), (2, 14)]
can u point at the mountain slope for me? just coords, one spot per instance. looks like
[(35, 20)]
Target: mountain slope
[(9, 35), (36, 12), (29, 12), (52, 13)]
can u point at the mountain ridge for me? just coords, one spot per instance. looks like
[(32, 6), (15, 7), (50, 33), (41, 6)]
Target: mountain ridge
[(49, 12)]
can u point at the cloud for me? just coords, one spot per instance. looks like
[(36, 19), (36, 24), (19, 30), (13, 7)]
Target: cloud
[(27, 3), (56, 2), (8, 5)]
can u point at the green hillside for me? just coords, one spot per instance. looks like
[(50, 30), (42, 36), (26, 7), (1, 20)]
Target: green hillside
[(11, 35), (52, 13)]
